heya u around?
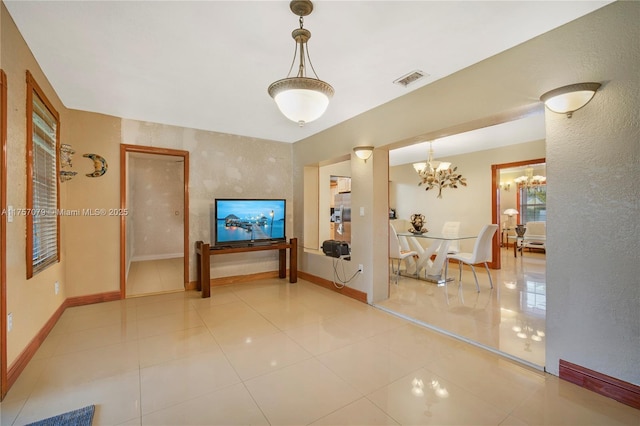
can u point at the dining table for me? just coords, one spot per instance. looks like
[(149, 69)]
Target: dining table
[(431, 258)]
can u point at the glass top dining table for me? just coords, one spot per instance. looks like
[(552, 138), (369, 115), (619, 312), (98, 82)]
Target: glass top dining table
[(437, 236), (440, 247)]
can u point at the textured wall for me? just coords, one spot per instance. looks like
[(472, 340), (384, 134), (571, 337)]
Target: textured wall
[(593, 164), (156, 207), (223, 166)]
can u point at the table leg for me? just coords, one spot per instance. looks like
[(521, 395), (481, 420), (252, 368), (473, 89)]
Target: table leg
[(438, 262), (198, 260), (293, 261), (205, 260), (282, 263)]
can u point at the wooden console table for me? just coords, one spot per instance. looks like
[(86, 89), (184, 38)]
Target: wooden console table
[(204, 251)]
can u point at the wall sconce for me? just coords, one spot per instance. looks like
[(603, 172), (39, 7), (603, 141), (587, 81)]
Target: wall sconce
[(505, 186), (568, 99), (363, 152)]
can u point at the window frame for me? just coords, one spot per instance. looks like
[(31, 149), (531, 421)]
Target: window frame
[(32, 269), (523, 204)]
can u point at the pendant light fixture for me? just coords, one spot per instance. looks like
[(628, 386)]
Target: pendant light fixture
[(301, 98)]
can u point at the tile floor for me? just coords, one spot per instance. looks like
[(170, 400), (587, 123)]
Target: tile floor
[(510, 318), (155, 276), (270, 352)]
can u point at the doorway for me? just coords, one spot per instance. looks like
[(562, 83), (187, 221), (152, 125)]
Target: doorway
[(503, 189), (510, 318), (154, 235)]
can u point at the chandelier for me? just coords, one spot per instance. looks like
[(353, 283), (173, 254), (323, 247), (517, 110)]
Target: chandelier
[(529, 181), (438, 174), (431, 164), (301, 98)]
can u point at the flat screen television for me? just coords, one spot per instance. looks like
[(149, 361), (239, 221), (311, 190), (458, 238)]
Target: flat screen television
[(248, 221)]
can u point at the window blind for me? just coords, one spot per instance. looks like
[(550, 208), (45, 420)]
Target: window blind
[(44, 187)]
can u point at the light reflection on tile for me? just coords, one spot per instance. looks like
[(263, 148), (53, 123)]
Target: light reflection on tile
[(510, 317), (314, 357)]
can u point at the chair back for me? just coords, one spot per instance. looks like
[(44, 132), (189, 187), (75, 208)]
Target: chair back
[(482, 248), (394, 243), (451, 229)]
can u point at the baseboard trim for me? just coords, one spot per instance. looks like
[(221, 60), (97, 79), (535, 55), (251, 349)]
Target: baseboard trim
[(624, 392), (91, 299), (358, 295), (157, 257), (20, 363), (235, 279)]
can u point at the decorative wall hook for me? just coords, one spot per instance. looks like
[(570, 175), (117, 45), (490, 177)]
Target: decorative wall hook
[(66, 154), (65, 175)]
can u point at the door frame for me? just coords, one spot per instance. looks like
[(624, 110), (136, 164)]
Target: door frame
[(495, 200), (3, 235), (124, 150)]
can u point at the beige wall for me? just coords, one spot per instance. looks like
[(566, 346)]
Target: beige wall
[(92, 243), (157, 198), (31, 302)]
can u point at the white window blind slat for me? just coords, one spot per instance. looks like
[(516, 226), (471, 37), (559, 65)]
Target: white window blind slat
[(44, 186)]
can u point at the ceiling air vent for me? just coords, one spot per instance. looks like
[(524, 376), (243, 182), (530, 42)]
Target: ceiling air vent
[(412, 77)]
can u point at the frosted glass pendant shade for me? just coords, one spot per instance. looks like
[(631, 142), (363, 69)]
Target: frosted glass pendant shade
[(301, 99)]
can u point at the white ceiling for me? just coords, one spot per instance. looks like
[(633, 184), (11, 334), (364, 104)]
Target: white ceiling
[(207, 64), (524, 130)]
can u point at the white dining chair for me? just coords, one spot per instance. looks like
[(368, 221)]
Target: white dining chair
[(481, 254), (396, 253), (452, 229)]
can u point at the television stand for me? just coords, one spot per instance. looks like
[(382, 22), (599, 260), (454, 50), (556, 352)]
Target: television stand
[(205, 251)]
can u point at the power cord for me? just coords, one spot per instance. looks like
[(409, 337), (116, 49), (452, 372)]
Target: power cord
[(336, 274)]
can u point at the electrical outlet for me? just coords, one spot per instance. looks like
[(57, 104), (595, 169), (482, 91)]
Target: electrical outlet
[(9, 321), (56, 288), (360, 268)]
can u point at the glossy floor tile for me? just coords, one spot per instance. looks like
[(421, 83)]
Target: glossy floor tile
[(155, 276), (274, 353), (509, 318)]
